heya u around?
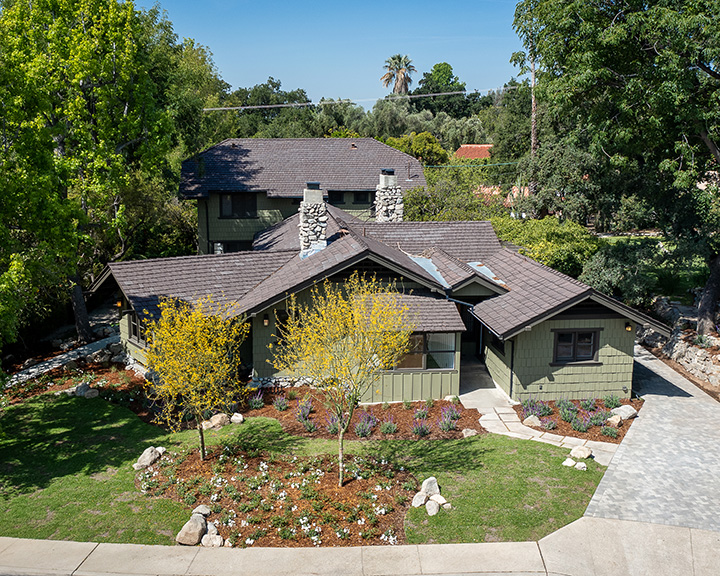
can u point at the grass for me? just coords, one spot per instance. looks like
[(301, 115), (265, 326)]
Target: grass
[(66, 473)]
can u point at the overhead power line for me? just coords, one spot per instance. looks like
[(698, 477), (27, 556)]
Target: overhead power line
[(351, 101)]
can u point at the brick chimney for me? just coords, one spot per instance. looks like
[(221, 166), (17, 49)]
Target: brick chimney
[(389, 205), (313, 220)]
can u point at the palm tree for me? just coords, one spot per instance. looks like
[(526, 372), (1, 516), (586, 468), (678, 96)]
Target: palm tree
[(398, 68)]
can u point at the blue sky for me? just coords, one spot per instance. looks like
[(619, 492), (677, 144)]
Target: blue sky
[(337, 49)]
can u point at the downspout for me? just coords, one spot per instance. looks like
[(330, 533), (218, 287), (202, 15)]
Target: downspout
[(512, 366), (207, 227)]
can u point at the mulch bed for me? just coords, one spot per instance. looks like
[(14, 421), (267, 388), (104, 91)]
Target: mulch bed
[(400, 413), (286, 501), (594, 432)]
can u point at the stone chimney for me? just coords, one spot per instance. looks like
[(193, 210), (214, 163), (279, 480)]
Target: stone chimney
[(313, 220), (389, 205)]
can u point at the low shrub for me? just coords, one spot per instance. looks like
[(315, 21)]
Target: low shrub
[(256, 401), (304, 409), (292, 394), (536, 407), (548, 424), (280, 404), (600, 417), (421, 428), (420, 414), (609, 431), (581, 423), (407, 404), (388, 427), (611, 402), (447, 424), (309, 424), (589, 405), (429, 403), (567, 414), (450, 413)]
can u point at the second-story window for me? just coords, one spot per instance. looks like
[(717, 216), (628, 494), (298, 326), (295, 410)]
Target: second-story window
[(238, 205)]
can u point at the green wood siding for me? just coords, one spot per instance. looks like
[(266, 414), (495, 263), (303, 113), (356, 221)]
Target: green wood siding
[(497, 364), (133, 347), (536, 377), (270, 211)]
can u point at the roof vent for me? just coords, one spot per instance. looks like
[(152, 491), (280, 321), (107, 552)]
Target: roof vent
[(353, 146), (313, 185), (387, 171)]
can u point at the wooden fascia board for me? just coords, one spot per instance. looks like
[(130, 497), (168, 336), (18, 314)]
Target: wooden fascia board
[(643, 319)]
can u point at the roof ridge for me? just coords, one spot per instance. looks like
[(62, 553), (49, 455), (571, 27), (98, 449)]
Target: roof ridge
[(194, 256)]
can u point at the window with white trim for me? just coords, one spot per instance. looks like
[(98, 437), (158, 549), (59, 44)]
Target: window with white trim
[(429, 351)]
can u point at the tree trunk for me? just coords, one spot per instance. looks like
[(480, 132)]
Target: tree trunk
[(201, 433), (709, 300), (532, 185), (82, 320), (341, 433)]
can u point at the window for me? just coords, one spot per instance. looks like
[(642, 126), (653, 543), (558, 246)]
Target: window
[(361, 198), (238, 205), (232, 246), (136, 330), (431, 351), (335, 197), (576, 346)]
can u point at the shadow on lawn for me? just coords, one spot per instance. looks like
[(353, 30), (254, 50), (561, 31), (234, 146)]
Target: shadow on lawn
[(432, 455), (51, 437)]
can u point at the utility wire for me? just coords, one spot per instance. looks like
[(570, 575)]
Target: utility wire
[(350, 101), (470, 165)]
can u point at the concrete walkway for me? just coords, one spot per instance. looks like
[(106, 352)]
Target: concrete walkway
[(42, 367), (667, 469), (587, 547), (498, 416)]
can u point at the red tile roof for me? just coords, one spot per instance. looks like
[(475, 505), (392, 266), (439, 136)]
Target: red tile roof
[(474, 151)]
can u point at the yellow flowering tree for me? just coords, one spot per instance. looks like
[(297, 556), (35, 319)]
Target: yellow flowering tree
[(194, 351), (342, 339)]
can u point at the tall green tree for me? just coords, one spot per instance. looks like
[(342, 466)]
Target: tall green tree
[(398, 72), (442, 79), (644, 79)]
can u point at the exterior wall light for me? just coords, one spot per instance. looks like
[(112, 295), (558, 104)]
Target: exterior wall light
[(266, 320), (628, 327)]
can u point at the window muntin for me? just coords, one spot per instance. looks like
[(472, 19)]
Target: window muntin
[(576, 346), (361, 198), (238, 205), (136, 330), (429, 351)]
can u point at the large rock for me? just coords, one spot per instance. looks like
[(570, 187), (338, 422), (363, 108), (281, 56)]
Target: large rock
[(569, 462), (203, 509), (211, 528), (119, 358), (92, 393), (100, 356), (237, 418), (430, 486), (81, 389), (625, 411), (615, 420), (192, 532), (147, 458), (29, 363), (432, 507), (469, 432), (580, 452), (419, 499), (532, 420), (214, 541), (216, 422), (581, 466), (70, 366), (116, 348), (439, 499)]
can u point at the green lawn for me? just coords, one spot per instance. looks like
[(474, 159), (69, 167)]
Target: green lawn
[(66, 473)]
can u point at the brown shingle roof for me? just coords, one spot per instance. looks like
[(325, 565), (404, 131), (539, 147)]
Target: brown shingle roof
[(282, 166), (474, 151), (432, 313)]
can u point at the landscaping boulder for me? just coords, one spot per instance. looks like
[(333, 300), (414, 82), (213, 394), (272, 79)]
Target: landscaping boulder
[(419, 499), (468, 432), (161, 450), (148, 458), (569, 462), (192, 532), (432, 507), (581, 452), (532, 420), (237, 418), (216, 422), (91, 393), (581, 466), (212, 529), (430, 486), (100, 356), (70, 366), (439, 499), (203, 509), (615, 421), (119, 358), (214, 541), (56, 343), (625, 411), (116, 348), (29, 363), (81, 389)]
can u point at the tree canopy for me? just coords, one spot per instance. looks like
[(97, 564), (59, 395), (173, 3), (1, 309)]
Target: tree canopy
[(399, 71)]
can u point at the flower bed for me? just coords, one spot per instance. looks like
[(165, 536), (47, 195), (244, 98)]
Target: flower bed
[(269, 499), (584, 419), (301, 412)]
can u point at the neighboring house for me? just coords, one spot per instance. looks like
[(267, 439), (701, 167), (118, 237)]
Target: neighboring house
[(245, 185), (539, 332), (474, 151)]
